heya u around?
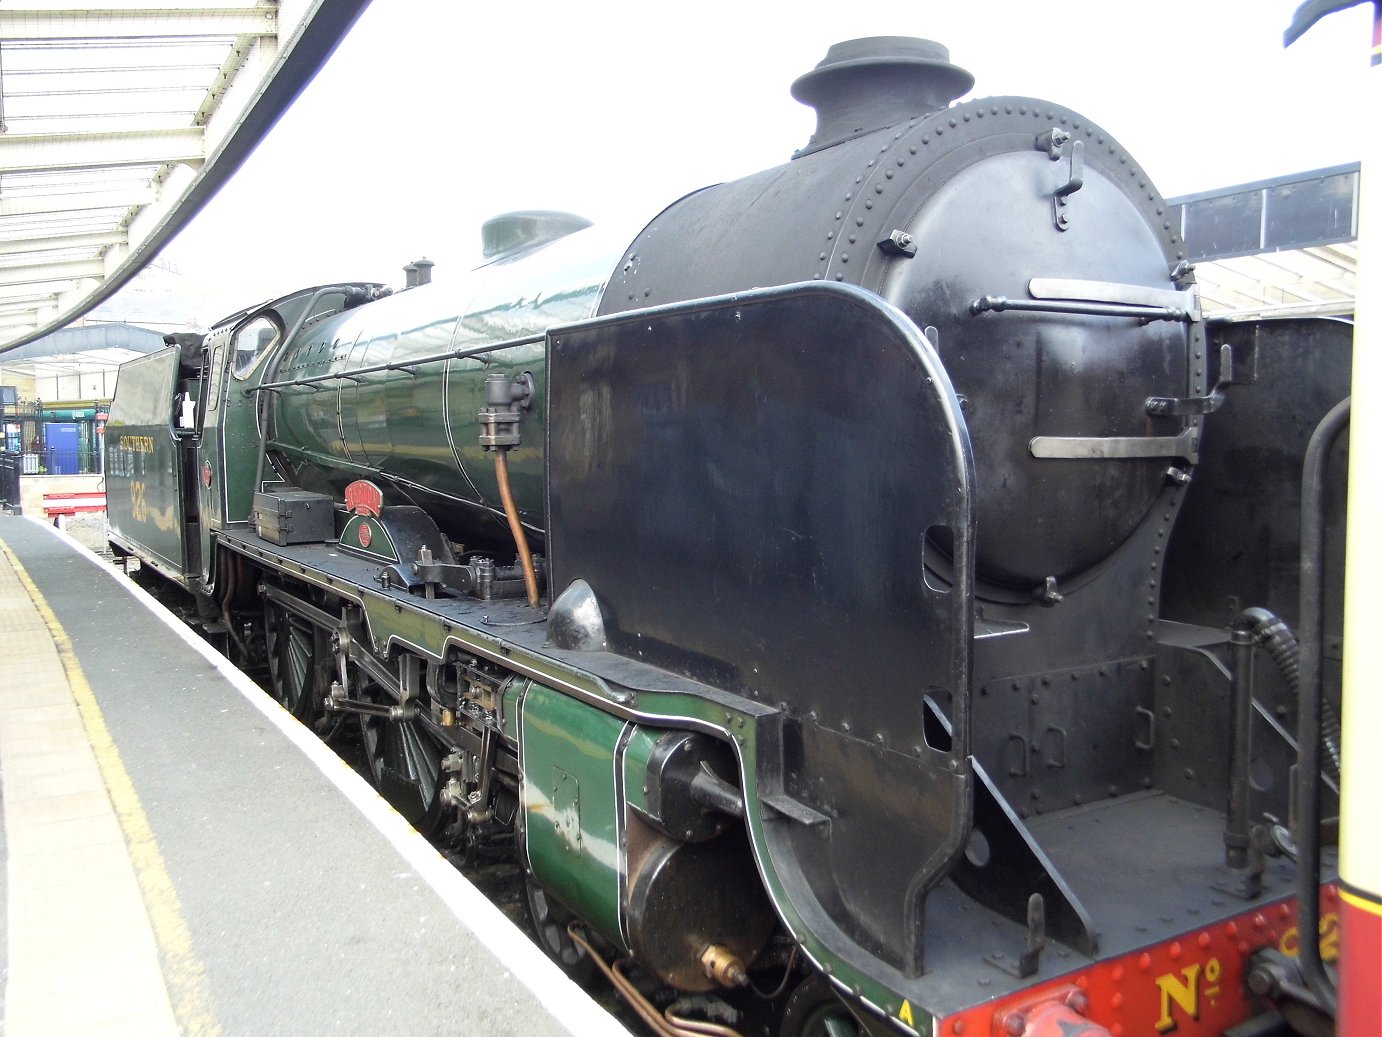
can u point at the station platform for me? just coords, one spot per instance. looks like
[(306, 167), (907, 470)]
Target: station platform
[(182, 857)]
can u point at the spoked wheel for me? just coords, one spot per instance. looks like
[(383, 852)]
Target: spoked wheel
[(298, 659), (404, 764), (813, 1010), (550, 920)]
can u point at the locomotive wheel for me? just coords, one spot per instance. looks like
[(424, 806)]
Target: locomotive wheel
[(813, 1010), (297, 658), (550, 920), (404, 764)]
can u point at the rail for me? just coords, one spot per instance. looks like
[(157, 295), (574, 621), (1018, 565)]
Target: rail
[(354, 374)]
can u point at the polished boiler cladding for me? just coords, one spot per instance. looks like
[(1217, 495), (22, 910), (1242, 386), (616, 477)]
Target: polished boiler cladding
[(1008, 197), (795, 581)]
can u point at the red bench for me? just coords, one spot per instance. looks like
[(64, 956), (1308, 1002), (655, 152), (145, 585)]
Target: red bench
[(58, 506)]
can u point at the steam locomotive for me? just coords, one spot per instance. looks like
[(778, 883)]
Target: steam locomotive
[(872, 579)]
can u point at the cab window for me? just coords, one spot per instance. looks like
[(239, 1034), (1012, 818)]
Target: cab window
[(251, 342)]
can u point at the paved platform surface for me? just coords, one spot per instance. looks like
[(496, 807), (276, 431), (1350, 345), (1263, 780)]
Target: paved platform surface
[(182, 857)]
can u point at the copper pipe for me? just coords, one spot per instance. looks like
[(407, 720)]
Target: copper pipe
[(525, 557), (641, 1004), (672, 1026), (699, 1026), (226, 564), (631, 994)]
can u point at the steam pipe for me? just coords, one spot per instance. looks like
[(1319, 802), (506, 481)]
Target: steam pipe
[(229, 589), (525, 556), (663, 1027), (1237, 827), (1254, 626), (402, 365), (1310, 698)]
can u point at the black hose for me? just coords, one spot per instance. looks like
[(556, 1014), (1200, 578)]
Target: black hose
[(1277, 640)]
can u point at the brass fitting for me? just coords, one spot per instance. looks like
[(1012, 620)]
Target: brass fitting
[(724, 966)]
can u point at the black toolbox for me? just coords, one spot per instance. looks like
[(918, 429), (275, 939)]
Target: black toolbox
[(293, 516)]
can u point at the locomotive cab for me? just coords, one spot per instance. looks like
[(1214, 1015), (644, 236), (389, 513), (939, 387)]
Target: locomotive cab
[(150, 458)]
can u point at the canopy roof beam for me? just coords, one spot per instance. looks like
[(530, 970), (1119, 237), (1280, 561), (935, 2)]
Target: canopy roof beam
[(18, 24), (77, 201), (70, 270), (43, 153), (20, 245)]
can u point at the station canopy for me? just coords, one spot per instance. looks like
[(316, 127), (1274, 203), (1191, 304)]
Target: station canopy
[(118, 121), (1281, 247)]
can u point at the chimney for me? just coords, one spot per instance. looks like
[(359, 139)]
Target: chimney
[(864, 85)]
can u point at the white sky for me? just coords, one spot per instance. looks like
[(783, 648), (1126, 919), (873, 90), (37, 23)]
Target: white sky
[(435, 115)]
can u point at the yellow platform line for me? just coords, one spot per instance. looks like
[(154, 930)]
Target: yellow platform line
[(182, 970)]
